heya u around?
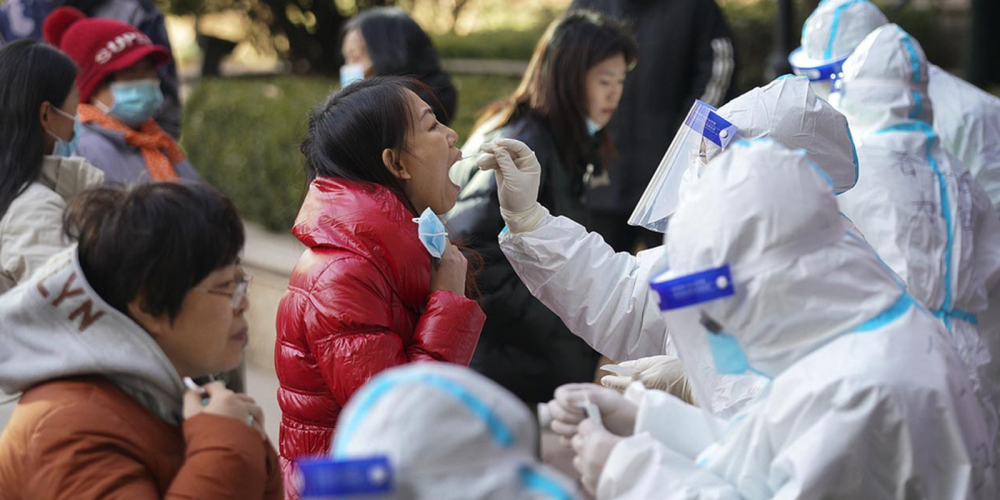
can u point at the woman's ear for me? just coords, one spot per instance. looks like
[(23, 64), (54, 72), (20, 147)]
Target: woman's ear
[(45, 114), (156, 326), (391, 161)]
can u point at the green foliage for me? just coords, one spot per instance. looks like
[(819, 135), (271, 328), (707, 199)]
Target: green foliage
[(476, 92), (243, 135), (752, 25), (506, 44)]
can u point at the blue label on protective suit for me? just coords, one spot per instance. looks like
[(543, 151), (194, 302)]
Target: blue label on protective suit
[(694, 288), (326, 477), (710, 125)]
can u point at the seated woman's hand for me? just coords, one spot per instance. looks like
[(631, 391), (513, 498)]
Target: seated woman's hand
[(225, 403)]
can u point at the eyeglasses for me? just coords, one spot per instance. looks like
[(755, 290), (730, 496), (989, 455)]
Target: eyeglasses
[(238, 294)]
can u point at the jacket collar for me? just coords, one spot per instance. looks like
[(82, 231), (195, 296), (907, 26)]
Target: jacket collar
[(69, 176), (370, 221)]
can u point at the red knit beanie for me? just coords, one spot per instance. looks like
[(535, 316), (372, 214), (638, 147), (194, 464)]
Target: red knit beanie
[(99, 47)]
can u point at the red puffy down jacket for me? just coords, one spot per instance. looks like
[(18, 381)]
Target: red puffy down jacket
[(359, 302)]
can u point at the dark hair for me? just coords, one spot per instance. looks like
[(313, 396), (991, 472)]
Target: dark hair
[(350, 129), (155, 241), (398, 46), (554, 86), (31, 73)]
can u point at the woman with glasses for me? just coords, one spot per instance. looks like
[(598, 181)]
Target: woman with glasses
[(38, 131), (102, 341)]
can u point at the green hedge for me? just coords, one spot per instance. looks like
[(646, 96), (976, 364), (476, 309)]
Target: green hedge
[(508, 44), (243, 135)]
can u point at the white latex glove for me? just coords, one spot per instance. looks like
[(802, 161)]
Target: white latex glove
[(665, 373), (592, 444), (518, 176), (567, 409)]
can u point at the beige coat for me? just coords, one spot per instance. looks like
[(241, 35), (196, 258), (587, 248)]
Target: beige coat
[(31, 229)]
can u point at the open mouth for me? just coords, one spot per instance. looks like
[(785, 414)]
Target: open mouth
[(240, 336)]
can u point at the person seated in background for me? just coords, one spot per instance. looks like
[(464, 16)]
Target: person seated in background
[(379, 284), (386, 41), (119, 94), (462, 437), (866, 398), (38, 103), (100, 340), (566, 98), (24, 19)]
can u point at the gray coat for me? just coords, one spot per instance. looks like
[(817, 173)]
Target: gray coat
[(121, 163)]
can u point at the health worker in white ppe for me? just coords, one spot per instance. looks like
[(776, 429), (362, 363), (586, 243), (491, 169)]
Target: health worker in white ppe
[(916, 204), (434, 431), (966, 117), (604, 297), (867, 398)]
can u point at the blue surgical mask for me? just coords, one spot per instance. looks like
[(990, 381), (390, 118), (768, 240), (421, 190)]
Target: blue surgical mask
[(728, 355), (135, 102), (350, 73), (593, 127), (63, 147), (432, 234)]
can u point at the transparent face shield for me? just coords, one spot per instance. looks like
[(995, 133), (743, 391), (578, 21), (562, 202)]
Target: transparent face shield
[(701, 126), (691, 327), (823, 75)]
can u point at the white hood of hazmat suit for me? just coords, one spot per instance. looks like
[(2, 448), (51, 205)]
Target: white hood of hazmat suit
[(916, 203), (449, 434)]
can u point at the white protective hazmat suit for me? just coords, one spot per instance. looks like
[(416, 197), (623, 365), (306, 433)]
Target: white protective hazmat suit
[(868, 398), (449, 434), (916, 204), (966, 118), (604, 297)]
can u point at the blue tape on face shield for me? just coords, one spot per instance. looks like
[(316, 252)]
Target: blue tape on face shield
[(694, 288), (432, 234), (699, 339), (702, 128), (814, 70), (328, 478)]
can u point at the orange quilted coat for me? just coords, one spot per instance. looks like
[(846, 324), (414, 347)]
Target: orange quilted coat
[(358, 302)]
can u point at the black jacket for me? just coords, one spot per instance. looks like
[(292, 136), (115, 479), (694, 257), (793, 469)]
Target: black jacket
[(524, 346), (685, 53)]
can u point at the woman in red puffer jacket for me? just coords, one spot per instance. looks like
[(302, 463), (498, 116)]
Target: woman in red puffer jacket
[(367, 294)]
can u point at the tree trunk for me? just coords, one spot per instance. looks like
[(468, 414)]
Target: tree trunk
[(310, 50)]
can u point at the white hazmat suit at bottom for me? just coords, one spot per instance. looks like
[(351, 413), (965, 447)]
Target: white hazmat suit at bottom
[(867, 399), (916, 203), (449, 433), (604, 297)]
